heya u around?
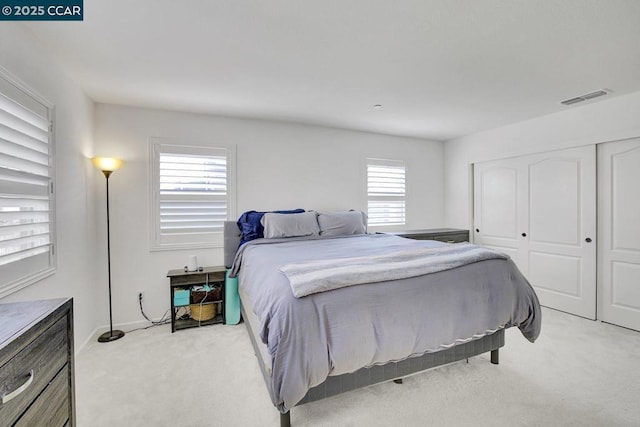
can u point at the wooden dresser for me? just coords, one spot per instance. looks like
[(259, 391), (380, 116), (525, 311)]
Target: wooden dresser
[(36, 363), (447, 235)]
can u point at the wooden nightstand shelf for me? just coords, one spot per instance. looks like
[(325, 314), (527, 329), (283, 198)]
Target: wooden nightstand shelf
[(447, 235), (186, 281)]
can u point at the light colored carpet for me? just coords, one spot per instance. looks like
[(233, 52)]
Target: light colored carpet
[(578, 373)]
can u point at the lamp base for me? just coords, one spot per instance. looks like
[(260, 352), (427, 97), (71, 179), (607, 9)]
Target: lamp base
[(110, 336)]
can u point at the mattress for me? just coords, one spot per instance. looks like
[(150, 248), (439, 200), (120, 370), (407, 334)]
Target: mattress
[(252, 322)]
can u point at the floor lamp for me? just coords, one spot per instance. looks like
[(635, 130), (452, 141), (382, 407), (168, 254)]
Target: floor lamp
[(107, 165)]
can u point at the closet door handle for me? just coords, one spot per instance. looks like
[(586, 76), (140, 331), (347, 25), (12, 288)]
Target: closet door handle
[(524, 234), (477, 230), (588, 240)]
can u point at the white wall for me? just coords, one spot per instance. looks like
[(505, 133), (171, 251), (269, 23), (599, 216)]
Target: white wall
[(279, 166), (22, 56), (607, 120)]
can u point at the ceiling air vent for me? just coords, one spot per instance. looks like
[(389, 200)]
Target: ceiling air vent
[(584, 97)]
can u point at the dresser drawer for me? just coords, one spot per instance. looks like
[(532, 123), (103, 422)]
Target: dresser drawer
[(451, 238), (447, 238), (46, 355), (52, 405), (447, 235)]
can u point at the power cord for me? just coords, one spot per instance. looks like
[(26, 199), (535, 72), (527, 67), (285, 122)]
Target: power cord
[(163, 320), (155, 322)]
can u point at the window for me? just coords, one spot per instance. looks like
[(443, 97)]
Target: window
[(27, 234), (386, 194), (193, 194)]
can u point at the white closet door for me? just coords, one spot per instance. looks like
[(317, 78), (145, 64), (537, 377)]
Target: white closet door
[(619, 232), (541, 210), (561, 230), (498, 197)]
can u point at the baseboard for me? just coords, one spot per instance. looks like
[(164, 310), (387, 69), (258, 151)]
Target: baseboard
[(126, 327), (79, 348)]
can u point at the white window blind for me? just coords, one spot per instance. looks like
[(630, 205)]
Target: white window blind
[(386, 192), (193, 195), (26, 188)]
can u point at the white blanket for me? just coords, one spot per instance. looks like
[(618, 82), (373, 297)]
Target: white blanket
[(311, 277)]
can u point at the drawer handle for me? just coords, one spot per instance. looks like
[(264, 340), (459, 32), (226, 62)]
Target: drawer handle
[(15, 393)]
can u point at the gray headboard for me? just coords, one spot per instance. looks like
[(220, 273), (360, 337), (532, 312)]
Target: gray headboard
[(232, 239), (231, 242)]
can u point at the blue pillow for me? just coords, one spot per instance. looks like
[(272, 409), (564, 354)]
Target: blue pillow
[(250, 227)]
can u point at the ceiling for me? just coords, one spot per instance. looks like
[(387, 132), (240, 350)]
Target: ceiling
[(440, 69)]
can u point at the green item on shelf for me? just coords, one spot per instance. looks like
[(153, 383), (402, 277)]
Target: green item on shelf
[(181, 297)]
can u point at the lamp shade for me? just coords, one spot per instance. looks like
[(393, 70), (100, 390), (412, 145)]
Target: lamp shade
[(107, 163)]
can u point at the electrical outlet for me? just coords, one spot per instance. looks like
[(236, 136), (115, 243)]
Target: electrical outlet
[(140, 295)]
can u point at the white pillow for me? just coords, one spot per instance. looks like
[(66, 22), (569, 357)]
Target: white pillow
[(342, 223), (290, 225)]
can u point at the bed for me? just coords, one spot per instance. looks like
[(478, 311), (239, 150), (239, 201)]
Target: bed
[(340, 338)]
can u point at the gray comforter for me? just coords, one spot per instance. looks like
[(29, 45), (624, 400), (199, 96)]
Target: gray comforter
[(343, 330)]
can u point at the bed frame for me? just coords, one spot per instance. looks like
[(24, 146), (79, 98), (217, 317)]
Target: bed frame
[(363, 377)]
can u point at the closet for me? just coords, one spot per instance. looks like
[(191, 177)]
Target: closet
[(541, 210), (619, 233)]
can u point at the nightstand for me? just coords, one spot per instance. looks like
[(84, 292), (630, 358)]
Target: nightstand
[(447, 235), (186, 289)]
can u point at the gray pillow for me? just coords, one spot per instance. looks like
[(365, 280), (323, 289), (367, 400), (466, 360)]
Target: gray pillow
[(290, 225), (342, 223)]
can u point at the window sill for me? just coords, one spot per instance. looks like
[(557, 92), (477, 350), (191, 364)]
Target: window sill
[(22, 283), (185, 246)]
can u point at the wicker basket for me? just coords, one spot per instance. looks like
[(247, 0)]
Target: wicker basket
[(202, 312)]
